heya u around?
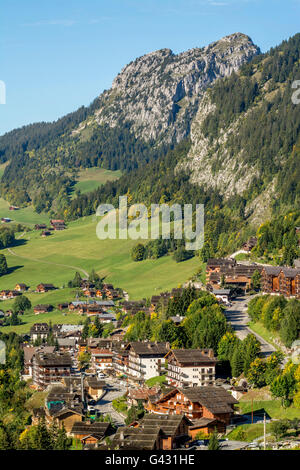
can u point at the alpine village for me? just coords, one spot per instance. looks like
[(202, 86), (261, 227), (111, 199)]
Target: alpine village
[(143, 344)]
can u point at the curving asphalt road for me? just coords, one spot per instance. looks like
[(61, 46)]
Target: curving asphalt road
[(238, 317)]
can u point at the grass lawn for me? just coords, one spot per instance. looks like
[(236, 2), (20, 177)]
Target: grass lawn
[(272, 407), (37, 400), (56, 258), (91, 178), (156, 380), (248, 432), (259, 328)]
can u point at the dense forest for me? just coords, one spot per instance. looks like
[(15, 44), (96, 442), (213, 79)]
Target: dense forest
[(259, 101), (277, 314)]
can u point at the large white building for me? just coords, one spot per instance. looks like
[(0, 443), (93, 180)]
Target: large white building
[(191, 367), (146, 359)]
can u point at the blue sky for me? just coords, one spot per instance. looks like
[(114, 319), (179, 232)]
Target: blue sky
[(57, 55)]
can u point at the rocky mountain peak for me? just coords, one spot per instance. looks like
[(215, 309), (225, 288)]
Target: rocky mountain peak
[(159, 93)]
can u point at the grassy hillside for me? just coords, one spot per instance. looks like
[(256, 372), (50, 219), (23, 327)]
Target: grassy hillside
[(25, 216), (91, 178), (55, 259)]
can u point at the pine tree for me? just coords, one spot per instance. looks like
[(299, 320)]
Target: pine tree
[(62, 441), (3, 265), (214, 441), (237, 362), (43, 437)]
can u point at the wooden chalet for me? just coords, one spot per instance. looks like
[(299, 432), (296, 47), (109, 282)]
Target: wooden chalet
[(203, 425), (45, 233), (153, 432), (142, 394), (50, 368), (58, 224), (234, 274), (21, 287), (65, 416), (95, 387), (120, 357), (9, 294), (91, 433), (289, 282), (281, 280), (42, 309), (45, 287), (250, 244), (196, 403), (29, 352)]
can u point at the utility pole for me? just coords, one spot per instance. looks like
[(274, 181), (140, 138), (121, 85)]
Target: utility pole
[(252, 410), (82, 387), (264, 431)]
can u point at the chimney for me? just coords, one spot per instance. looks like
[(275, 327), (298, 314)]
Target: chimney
[(122, 435)]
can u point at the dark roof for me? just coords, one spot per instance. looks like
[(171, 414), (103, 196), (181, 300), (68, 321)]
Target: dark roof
[(272, 270), (189, 356), (39, 328), (45, 285), (215, 262), (215, 399), (167, 423), (99, 429), (202, 423), (60, 393), (53, 359), (136, 438), (290, 272), (149, 348), (93, 382), (61, 410)]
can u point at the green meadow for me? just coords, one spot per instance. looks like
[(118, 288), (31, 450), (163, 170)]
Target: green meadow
[(25, 216), (91, 178), (56, 258)]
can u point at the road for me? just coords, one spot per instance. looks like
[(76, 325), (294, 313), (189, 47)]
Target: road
[(238, 317), (104, 405)]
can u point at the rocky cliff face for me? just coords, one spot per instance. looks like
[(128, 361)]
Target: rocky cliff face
[(159, 94)]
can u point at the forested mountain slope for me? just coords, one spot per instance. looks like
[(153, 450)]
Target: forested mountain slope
[(245, 136)]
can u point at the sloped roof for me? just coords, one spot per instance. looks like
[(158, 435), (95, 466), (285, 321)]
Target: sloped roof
[(149, 348), (272, 270), (52, 359), (99, 429), (202, 423), (167, 423), (189, 356), (136, 438), (215, 399)]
